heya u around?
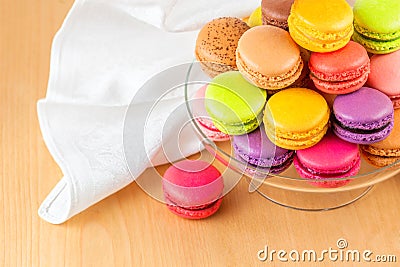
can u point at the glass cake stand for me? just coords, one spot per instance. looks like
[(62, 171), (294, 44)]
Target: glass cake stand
[(287, 189)]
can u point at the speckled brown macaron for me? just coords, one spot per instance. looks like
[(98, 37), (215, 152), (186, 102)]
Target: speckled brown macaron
[(216, 44), (387, 151), (276, 12)]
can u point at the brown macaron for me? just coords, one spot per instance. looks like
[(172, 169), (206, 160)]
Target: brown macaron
[(387, 151), (268, 57), (216, 44), (276, 12)]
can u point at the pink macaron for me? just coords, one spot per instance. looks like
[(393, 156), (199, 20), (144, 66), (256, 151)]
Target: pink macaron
[(202, 118), (329, 159), (193, 189), (385, 75), (342, 71)]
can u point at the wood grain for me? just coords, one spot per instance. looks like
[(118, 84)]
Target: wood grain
[(130, 228)]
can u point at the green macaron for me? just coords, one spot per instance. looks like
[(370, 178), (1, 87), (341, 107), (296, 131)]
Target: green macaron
[(377, 25), (234, 104)]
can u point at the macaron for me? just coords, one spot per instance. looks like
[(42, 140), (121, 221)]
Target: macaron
[(296, 118), (362, 117), (234, 104), (203, 120), (268, 57), (193, 189), (255, 18), (387, 151), (377, 25), (330, 159), (321, 25), (342, 71), (385, 75), (258, 151), (216, 44), (276, 12)]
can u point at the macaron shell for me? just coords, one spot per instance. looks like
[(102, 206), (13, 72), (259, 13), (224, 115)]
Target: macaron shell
[(378, 16), (296, 118), (296, 110), (268, 57), (261, 45), (378, 161), (317, 32), (234, 104), (276, 13), (385, 74), (342, 71), (255, 18), (364, 109), (190, 183), (347, 63), (217, 42), (331, 155), (327, 16)]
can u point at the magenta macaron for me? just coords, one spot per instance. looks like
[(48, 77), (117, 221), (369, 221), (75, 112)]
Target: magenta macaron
[(203, 120), (385, 75), (342, 71), (328, 160), (193, 189), (362, 117)]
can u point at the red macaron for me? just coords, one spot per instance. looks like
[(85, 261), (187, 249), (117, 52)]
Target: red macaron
[(342, 71), (193, 189)]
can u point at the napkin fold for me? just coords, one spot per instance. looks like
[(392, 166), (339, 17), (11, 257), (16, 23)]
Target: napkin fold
[(101, 57)]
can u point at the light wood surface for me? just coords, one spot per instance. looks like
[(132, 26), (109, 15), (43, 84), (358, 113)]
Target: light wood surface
[(129, 228)]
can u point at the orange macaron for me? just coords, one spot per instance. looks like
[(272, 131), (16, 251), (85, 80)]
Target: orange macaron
[(268, 57)]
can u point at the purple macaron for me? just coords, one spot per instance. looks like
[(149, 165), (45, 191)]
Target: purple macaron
[(362, 117), (257, 150)]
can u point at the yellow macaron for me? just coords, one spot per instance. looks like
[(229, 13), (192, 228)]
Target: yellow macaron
[(255, 18), (321, 25), (296, 118)]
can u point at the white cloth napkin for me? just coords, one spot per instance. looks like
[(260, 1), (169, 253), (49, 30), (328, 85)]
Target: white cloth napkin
[(103, 53)]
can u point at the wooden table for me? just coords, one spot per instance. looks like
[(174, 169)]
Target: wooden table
[(129, 228)]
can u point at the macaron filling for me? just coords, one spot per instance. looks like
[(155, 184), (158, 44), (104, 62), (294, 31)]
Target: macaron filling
[(304, 29), (338, 86), (348, 75), (376, 46), (192, 208), (362, 136), (382, 36), (296, 140), (199, 212)]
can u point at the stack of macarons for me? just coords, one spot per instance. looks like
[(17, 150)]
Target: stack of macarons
[(273, 95)]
